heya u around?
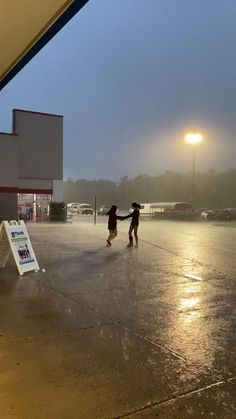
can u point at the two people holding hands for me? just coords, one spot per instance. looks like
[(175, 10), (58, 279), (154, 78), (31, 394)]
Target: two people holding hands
[(112, 224)]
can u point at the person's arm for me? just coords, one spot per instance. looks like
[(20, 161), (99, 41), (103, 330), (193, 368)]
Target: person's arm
[(127, 216)]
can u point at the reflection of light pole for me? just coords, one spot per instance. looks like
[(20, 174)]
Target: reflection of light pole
[(193, 139)]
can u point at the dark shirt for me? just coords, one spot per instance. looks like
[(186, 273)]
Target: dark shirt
[(112, 221), (135, 217)]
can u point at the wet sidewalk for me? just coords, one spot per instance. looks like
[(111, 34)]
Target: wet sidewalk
[(115, 332)]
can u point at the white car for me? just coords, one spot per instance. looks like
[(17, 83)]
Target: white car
[(206, 214), (103, 210), (72, 207), (84, 209)]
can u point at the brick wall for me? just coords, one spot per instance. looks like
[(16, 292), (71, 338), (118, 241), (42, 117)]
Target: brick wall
[(8, 206)]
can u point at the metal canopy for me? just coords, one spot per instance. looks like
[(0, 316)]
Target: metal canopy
[(26, 26)]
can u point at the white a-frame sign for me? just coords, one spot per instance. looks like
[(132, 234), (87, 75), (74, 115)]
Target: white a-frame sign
[(14, 238)]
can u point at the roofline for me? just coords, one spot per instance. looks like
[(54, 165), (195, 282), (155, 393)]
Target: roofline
[(45, 38), (14, 111), (35, 112), (8, 133)]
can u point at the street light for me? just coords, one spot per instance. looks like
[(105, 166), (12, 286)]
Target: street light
[(193, 139)]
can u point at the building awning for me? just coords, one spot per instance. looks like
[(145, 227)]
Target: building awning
[(26, 26)]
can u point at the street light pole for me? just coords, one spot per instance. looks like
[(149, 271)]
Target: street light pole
[(193, 179), (193, 139)]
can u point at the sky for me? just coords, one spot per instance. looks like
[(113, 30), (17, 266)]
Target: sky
[(131, 78)]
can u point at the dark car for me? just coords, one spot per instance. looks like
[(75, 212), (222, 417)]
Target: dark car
[(227, 214), (103, 210), (233, 213)]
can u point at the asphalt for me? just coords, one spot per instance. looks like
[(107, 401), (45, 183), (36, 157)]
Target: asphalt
[(98, 332)]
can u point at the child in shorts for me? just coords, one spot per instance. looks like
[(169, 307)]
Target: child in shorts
[(112, 224)]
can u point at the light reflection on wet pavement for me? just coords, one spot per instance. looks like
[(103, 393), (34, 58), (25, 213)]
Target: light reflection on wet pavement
[(111, 333)]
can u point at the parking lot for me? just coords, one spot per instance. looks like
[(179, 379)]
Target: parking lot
[(121, 333), (209, 244)]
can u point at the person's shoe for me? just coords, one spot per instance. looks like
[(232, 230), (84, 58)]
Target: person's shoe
[(136, 245), (129, 245), (108, 244)]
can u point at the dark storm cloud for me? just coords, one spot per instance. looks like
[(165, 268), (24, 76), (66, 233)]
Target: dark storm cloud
[(130, 77)]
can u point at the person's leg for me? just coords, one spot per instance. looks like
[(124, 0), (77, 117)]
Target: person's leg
[(109, 238), (130, 236), (115, 233), (112, 235), (136, 235)]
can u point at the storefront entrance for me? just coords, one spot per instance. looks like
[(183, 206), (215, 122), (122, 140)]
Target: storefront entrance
[(33, 207)]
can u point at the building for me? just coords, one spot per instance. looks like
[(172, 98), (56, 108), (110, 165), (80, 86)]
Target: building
[(31, 164)]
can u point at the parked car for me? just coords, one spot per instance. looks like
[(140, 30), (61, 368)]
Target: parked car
[(72, 207), (233, 213), (208, 214), (103, 210), (227, 214), (84, 209)]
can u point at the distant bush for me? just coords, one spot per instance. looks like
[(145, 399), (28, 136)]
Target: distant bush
[(57, 211), (213, 190)]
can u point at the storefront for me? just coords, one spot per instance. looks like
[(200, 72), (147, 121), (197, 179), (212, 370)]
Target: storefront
[(33, 207), (31, 165)]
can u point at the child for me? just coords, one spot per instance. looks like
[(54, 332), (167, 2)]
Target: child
[(134, 224), (112, 223)]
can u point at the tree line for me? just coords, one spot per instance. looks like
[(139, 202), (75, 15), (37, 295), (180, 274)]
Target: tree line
[(212, 189)]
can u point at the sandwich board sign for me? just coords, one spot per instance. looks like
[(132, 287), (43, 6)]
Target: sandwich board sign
[(14, 239)]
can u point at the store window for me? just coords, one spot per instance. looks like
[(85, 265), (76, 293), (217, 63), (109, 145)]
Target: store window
[(33, 207)]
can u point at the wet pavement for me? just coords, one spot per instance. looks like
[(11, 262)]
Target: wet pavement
[(147, 332)]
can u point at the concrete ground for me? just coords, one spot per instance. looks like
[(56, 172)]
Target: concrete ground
[(147, 332)]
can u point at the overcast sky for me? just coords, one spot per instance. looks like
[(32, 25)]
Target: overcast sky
[(131, 77)]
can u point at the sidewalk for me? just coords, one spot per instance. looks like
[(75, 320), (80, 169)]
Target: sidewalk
[(114, 332)]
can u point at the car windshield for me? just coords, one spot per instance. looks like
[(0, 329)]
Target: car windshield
[(84, 206)]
